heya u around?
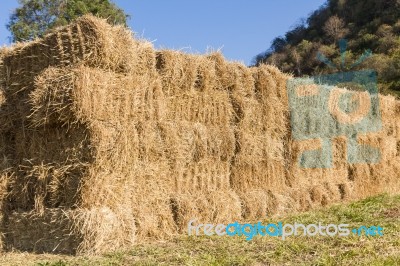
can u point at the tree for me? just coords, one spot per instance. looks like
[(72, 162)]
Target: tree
[(335, 28), (34, 18), (296, 35), (297, 60), (278, 44)]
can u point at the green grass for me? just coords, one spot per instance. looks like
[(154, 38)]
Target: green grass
[(382, 210)]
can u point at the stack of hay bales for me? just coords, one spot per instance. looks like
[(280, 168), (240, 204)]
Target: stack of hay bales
[(313, 186), (384, 176), (319, 186), (107, 149), (201, 140), (346, 180), (107, 142), (50, 143), (259, 168)]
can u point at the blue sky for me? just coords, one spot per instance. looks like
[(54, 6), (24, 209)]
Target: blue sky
[(241, 29)]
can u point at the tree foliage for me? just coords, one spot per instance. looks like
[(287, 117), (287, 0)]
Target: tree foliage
[(335, 28), (366, 24), (34, 18)]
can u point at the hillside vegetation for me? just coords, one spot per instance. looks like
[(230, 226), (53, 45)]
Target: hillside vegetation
[(366, 24)]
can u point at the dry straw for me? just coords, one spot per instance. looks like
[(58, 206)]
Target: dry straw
[(106, 142)]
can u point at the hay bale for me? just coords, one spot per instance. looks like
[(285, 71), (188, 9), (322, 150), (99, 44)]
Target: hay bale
[(6, 123), (365, 184), (66, 231), (210, 108), (205, 207), (397, 120), (264, 175), (318, 195), (69, 147), (270, 86), (301, 199), (88, 39), (224, 71), (204, 175), (282, 203), (383, 176), (388, 106), (398, 148), (46, 232), (261, 128), (306, 196), (103, 230), (139, 177), (337, 173), (189, 83), (183, 72), (260, 203), (67, 96)]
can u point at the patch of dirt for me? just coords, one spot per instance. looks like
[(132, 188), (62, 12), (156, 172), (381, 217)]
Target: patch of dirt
[(392, 213)]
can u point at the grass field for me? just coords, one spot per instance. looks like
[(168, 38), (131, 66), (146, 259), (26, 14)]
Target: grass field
[(383, 210)]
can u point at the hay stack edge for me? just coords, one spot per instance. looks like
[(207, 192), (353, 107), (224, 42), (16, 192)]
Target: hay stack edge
[(106, 142)]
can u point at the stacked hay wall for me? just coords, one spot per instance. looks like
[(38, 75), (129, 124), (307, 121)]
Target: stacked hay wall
[(344, 180), (259, 122), (384, 176), (48, 154), (314, 186), (108, 142), (197, 126)]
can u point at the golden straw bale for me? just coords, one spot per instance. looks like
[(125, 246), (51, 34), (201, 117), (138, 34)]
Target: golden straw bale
[(302, 199), (224, 71), (178, 71), (397, 122), (389, 113), (385, 177), (80, 94), (209, 108), (259, 203), (264, 175), (88, 38), (364, 183), (182, 72), (387, 104), (199, 156), (6, 122), (189, 83), (261, 121), (254, 204), (337, 172), (318, 195), (271, 94), (102, 229), (49, 231), (204, 175), (220, 206), (59, 230)]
